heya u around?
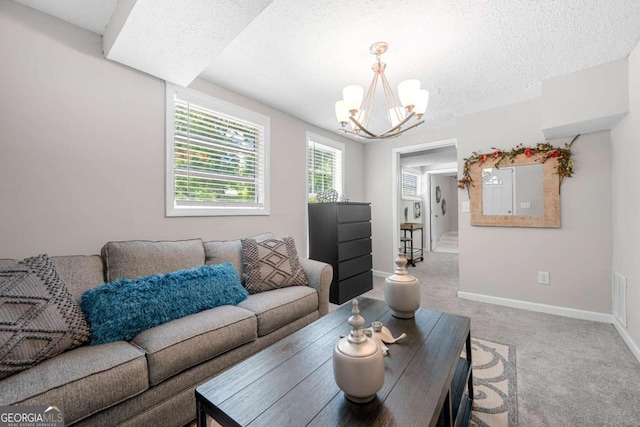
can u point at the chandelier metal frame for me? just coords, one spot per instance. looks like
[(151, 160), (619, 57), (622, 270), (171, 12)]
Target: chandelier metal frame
[(398, 117)]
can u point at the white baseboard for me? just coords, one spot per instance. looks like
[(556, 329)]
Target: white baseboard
[(627, 339), (542, 308), (549, 309), (378, 273)]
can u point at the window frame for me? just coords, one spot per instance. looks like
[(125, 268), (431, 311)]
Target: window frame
[(224, 108), (418, 175), (330, 143)]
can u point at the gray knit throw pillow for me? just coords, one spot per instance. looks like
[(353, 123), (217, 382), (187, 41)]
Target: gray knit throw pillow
[(38, 316), (271, 264)]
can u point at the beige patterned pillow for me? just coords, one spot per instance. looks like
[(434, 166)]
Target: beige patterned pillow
[(219, 251), (271, 264), (39, 318)]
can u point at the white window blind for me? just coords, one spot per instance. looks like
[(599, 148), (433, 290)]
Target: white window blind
[(410, 185), (217, 157), (324, 166)]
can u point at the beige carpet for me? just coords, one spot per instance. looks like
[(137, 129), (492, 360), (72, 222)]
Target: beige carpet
[(448, 243), (570, 372)]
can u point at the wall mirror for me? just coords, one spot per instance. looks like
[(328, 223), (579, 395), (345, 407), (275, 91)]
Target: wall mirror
[(524, 194), (513, 190), (517, 188)]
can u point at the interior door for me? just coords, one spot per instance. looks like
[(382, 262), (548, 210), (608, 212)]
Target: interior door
[(497, 191)]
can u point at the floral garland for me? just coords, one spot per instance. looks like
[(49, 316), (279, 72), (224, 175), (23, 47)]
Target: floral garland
[(543, 150)]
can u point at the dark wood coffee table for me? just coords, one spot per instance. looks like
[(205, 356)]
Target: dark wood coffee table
[(291, 382)]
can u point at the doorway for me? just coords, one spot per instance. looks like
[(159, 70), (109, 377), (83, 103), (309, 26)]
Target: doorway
[(443, 201), (436, 159)]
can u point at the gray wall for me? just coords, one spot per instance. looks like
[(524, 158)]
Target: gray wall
[(600, 205), (504, 261), (418, 238), (625, 147), (578, 255), (82, 149), (452, 206), (410, 211), (448, 221), (585, 101)]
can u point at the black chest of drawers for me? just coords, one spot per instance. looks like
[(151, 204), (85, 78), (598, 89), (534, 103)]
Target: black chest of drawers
[(340, 235)]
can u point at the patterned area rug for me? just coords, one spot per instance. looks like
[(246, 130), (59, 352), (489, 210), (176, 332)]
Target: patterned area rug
[(494, 384)]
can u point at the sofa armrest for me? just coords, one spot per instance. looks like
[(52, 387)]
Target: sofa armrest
[(320, 276)]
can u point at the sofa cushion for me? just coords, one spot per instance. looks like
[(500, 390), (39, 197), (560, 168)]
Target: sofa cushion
[(178, 345), (219, 251), (79, 272), (137, 258), (277, 308), (85, 380), (38, 316), (6, 262), (122, 309), (271, 264)]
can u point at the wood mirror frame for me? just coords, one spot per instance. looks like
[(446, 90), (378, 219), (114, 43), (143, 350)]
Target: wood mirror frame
[(551, 194), (557, 164)]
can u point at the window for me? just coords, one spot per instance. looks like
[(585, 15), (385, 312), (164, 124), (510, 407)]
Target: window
[(217, 157), (411, 185), (324, 166)]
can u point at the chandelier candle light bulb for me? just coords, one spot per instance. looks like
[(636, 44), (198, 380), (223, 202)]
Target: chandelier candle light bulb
[(352, 95), (342, 112), (356, 107), (408, 93), (421, 103)]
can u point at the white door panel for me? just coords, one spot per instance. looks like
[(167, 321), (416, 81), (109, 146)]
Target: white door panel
[(497, 191)]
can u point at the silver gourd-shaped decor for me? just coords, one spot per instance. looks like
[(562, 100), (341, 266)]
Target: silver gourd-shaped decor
[(358, 362), (402, 290)]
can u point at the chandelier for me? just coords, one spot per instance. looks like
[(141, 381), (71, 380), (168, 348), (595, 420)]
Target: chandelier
[(356, 112)]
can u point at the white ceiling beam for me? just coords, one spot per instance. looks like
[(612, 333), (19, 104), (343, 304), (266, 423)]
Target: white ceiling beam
[(175, 39)]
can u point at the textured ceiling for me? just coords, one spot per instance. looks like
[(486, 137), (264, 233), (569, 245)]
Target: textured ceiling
[(472, 55), (178, 43)]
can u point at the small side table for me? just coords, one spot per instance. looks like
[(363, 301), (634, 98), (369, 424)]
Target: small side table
[(414, 253)]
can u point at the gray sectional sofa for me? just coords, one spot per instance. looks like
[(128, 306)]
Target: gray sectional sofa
[(151, 379)]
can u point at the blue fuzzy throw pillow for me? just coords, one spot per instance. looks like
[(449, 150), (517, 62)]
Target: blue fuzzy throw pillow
[(122, 309)]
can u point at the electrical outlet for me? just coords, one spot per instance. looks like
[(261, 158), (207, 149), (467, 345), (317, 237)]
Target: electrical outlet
[(543, 277)]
